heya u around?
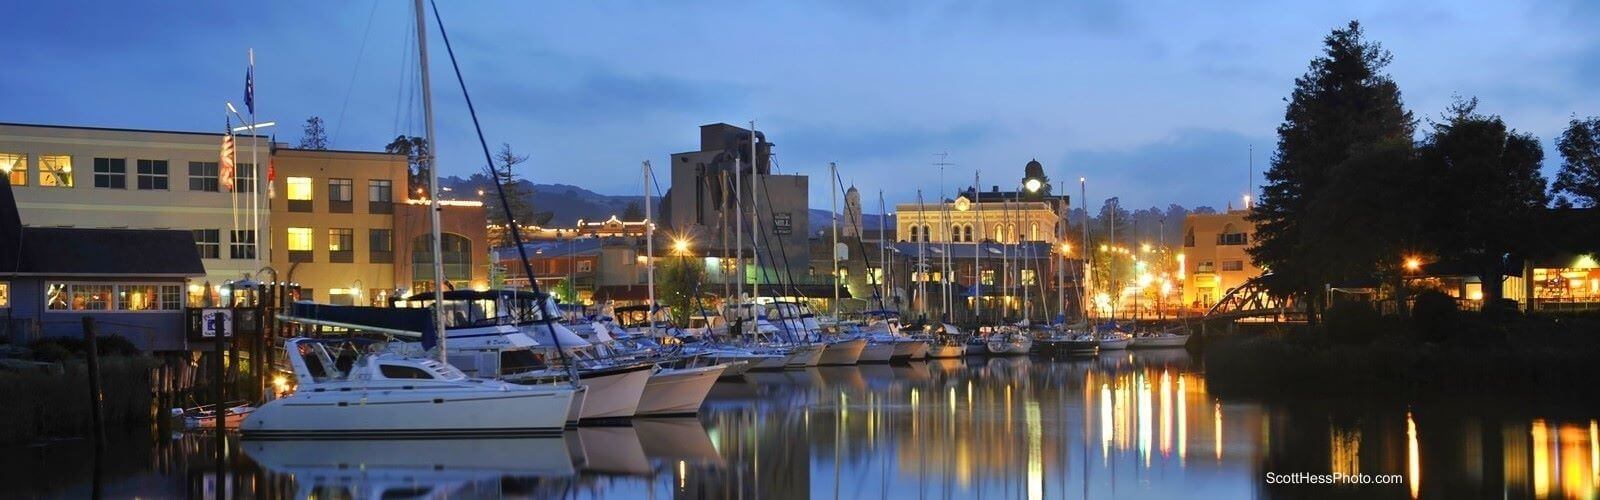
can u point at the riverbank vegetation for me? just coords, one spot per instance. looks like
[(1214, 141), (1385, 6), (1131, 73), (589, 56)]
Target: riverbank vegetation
[(1438, 355), (45, 389)]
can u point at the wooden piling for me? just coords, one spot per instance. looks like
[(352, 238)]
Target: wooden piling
[(219, 392), (96, 398)]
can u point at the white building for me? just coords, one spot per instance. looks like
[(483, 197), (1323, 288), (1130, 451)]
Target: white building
[(65, 176)]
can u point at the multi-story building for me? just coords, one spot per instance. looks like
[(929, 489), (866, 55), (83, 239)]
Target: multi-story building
[(1215, 255), (90, 177), (345, 229), (700, 207)]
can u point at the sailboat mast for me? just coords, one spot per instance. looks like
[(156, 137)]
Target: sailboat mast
[(833, 222), (922, 259), (755, 216), (429, 152), (650, 250), (977, 250), (883, 248), (738, 227), (1088, 253)]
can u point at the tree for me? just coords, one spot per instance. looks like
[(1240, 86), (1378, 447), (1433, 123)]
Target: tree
[(315, 137), (633, 212), (1372, 208), (517, 196), (565, 292), (678, 286), (415, 149), (1578, 182), (1486, 193), (1341, 104)]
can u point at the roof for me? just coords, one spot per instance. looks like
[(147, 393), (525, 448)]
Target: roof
[(62, 251), (59, 251), (1028, 250), (114, 129)]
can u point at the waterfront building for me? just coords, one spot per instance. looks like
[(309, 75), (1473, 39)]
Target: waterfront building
[(93, 177), (348, 231), (700, 208), (1215, 256), (131, 281)]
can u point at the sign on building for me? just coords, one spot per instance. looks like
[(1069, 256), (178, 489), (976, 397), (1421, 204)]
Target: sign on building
[(782, 223)]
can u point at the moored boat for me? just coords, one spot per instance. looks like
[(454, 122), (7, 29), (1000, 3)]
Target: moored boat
[(678, 391), (843, 352)]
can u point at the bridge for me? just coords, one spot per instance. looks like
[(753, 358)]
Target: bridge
[(1252, 300)]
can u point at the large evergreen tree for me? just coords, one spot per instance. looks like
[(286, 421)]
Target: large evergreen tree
[(1343, 103), (518, 197), (1486, 191), (414, 149), (1578, 182)]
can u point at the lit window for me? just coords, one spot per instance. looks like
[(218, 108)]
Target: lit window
[(111, 173), (55, 297), (5, 295), (153, 174), (584, 266), (1028, 277), (55, 171), (138, 297), (341, 240), (15, 166), (299, 188), (988, 277), (300, 239), (1232, 265), (203, 176), (90, 297)]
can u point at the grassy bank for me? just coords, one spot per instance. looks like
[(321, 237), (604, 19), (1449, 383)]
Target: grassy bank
[(1542, 358), (48, 398)]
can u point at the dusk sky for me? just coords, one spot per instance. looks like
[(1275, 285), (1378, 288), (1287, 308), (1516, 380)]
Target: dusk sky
[(1155, 102)]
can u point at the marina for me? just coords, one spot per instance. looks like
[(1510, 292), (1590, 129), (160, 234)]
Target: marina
[(1140, 424)]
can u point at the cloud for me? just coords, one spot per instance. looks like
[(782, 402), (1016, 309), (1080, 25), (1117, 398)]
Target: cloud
[(1191, 166)]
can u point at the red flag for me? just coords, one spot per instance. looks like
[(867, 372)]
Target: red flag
[(225, 166)]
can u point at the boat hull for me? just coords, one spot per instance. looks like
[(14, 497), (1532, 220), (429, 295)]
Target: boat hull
[(945, 351), (1069, 348), (876, 353), (678, 391), (805, 356), (421, 413), (1009, 348), (843, 352), (614, 393), (903, 350), (1161, 341), (1114, 345)]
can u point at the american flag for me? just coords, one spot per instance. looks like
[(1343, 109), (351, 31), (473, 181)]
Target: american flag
[(225, 165), (272, 175)]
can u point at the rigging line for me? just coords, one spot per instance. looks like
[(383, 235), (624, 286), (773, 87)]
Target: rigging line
[(405, 74), (772, 258), (354, 71), (784, 252), (861, 247), (516, 234)]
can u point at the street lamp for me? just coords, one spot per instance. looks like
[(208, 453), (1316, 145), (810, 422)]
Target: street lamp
[(1033, 185), (1066, 248), (680, 246), (1413, 264)]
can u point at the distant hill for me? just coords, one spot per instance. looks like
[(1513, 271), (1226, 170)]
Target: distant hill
[(567, 203), (819, 222)]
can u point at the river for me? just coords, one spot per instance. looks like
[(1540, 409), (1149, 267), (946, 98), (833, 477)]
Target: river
[(1127, 425)]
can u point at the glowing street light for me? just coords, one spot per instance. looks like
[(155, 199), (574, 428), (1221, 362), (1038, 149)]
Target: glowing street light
[(680, 246), (1066, 248), (1033, 185), (1413, 264)]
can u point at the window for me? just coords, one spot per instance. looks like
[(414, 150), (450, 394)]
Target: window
[(1206, 266), (298, 192), (15, 166), (926, 235), (242, 244), (404, 372), (457, 258), (1233, 265), (1033, 231), (342, 296), (1232, 239), (1028, 278), (380, 196), (380, 246), (585, 266), (300, 244), (988, 277), (339, 195), (111, 173), (82, 297), (955, 232), (915, 230), (203, 176), (874, 275), (149, 297), (5, 295), (341, 245), (55, 171), (1188, 238), (844, 273), (968, 235), (209, 242), (244, 178), (153, 174)]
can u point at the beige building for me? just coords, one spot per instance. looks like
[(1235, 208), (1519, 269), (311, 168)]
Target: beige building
[(345, 230), (90, 177), (1215, 257), (1028, 213)]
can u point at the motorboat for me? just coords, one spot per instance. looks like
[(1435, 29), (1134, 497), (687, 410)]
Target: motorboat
[(678, 391), (1010, 343), (1160, 339), (356, 388), (1114, 341), (805, 355), (205, 416), (1069, 344), (843, 351)]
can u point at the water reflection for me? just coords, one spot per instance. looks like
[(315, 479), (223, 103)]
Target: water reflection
[(1118, 426)]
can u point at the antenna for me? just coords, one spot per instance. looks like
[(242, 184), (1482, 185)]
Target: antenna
[(1251, 180)]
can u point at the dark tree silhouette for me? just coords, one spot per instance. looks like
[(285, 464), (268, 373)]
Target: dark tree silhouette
[(1578, 182), (315, 136)]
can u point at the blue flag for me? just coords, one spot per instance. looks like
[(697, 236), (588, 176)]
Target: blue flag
[(250, 89)]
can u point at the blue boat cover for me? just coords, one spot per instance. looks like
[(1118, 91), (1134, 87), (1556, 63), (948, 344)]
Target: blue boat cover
[(394, 318)]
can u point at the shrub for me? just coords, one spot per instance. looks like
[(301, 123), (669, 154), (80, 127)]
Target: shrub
[(117, 345), (1435, 316), (1501, 309), (51, 352), (1353, 323)]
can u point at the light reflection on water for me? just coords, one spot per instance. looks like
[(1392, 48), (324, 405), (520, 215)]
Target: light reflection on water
[(1119, 426)]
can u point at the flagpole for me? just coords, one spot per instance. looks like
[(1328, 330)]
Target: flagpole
[(255, 163)]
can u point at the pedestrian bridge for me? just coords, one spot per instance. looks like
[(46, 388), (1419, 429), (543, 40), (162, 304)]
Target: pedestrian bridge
[(1251, 300)]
